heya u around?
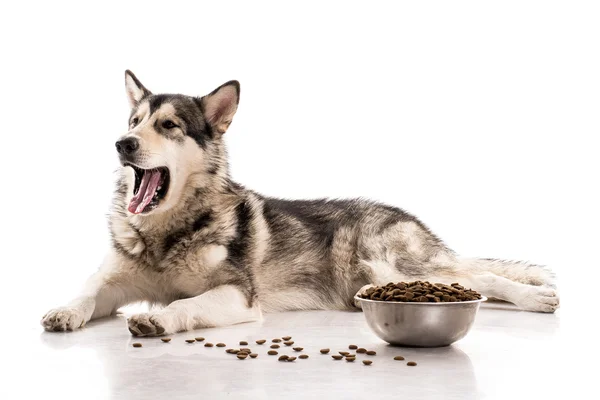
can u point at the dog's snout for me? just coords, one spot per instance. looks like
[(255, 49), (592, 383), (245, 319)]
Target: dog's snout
[(127, 146)]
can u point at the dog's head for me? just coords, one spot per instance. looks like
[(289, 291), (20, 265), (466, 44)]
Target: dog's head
[(172, 140)]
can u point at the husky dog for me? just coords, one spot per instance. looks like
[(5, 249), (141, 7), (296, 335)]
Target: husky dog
[(186, 236)]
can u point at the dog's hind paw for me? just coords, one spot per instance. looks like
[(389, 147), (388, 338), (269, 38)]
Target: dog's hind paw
[(539, 298), (146, 325), (63, 319)]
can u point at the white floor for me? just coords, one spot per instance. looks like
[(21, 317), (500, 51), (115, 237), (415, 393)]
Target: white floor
[(508, 354)]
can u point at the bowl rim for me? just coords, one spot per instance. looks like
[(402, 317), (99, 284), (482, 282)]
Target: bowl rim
[(483, 298)]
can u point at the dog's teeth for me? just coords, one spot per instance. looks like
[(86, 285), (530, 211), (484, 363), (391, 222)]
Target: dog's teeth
[(158, 188)]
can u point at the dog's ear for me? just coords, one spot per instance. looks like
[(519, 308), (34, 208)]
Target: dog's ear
[(220, 106), (135, 90)]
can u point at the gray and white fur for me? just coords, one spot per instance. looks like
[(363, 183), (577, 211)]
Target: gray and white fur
[(186, 236)]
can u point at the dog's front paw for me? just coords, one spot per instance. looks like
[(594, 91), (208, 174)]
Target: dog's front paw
[(538, 298), (63, 319), (148, 325)]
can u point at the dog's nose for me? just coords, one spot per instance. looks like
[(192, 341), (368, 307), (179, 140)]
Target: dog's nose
[(127, 146)]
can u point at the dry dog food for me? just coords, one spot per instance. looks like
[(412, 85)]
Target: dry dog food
[(398, 358), (344, 353), (220, 344), (137, 345), (286, 337), (350, 359), (232, 351), (274, 346), (208, 345), (367, 362), (276, 340), (261, 341), (324, 351), (336, 357), (298, 348), (303, 356), (190, 340), (199, 339), (361, 351), (411, 363), (272, 352), (353, 347), (242, 356), (283, 358), (288, 343), (166, 339), (243, 343), (246, 350), (290, 359), (371, 353), (420, 291), (253, 355)]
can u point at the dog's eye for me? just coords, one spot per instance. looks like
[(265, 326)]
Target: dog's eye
[(168, 124), (134, 122)]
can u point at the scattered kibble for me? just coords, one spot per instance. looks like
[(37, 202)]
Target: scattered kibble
[(276, 340), (361, 351), (166, 339), (290, 359), (371, 353), (246, 350), (137, 345), (344, 353), (350, 359), (220, 344), (208, 345), (253, 355), (336, 357), (274, 346), (288, 343), (243, 343), (367, 362), (261, 341), (298, 348), (190, 340), (324, 351), (286, 337), (353, 347), (303, 356), (242, 356), (199, 339), (272, 352), (398, 358), (283, 358), (411, 364)]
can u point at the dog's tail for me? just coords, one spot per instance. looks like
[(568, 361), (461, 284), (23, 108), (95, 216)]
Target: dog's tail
[(518, 271)]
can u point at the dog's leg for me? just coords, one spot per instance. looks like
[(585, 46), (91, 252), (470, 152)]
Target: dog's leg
[(104, 292), (222, 306)]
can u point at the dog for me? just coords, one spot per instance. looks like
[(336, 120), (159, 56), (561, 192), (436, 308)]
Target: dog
[(186, 236)]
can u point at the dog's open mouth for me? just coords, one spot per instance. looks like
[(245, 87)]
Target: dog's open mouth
[(151, 186)]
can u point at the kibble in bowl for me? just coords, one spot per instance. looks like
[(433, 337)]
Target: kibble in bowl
[(420, 313)]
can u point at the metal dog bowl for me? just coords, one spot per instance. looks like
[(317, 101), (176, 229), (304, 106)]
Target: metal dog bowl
[(420, 324)]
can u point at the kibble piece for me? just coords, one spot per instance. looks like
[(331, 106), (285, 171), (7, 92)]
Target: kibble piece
[(398, 358), (246, 350), (220, 344), (353, 347), (242, 356), (253, 355), (166, 339), (283, 358), (137, 345), (371, 353), (261, 341), (288, 343), (232, 351), (190, 340), (298, 348), (290, 359), (276, 340), (350, 359), (243, 343), (336, 357), (303, 356), (361, 350), (272, 352), (286, 337), (208, 345), (411, 363), (367, 362), (199, 339), (344, 353), (324, 351), (274, 346)]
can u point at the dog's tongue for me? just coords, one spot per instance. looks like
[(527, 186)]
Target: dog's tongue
[(144, 195)]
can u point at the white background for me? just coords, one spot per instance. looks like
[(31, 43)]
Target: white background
[(480, 118)]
